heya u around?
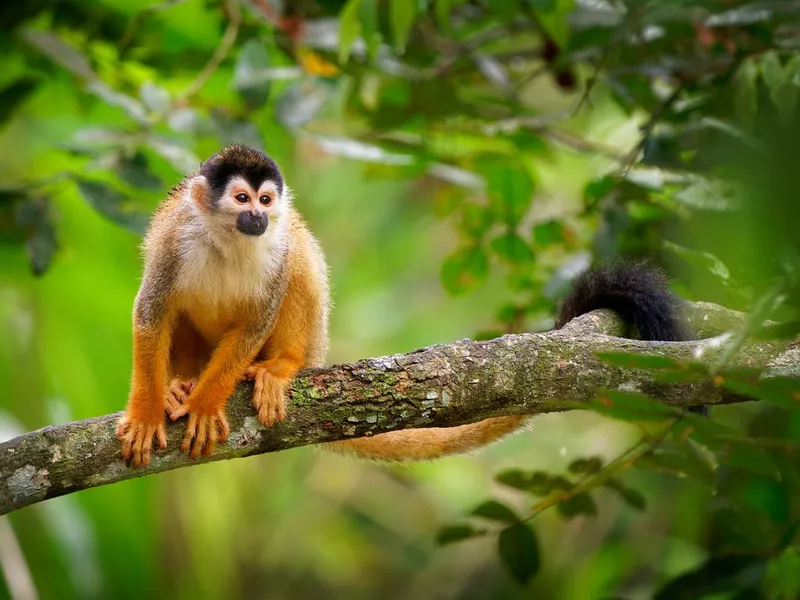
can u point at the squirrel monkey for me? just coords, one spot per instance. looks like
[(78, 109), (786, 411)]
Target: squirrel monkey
[(235, 286)]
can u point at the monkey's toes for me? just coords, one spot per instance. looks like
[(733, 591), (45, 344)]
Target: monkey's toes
[(177, 393), (203, 432), (137, 440), (269, 397)]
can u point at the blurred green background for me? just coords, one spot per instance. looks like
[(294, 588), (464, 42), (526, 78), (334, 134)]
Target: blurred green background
[(459, 162)]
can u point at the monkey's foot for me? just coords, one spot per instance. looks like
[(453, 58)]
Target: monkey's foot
[(203, 430), (137, 438), (269, 394), (177, 393)]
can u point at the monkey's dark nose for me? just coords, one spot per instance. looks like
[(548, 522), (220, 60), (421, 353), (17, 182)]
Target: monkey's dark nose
[(252, 223)]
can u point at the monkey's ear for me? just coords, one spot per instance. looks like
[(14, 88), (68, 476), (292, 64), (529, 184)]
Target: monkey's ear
[(200, 193)]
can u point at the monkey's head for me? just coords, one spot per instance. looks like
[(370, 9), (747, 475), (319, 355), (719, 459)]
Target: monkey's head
[(240, 189)]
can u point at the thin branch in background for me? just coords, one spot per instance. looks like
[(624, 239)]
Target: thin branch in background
[(622, 463), (16, 573), (647, 129), (137, 21), (225, 45)]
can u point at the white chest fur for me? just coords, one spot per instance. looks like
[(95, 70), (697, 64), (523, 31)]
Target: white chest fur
[(216, 280)]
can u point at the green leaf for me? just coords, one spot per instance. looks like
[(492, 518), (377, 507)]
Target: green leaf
[(589, 465), (60, 52), (511, 248), (15, 94), (701, 260), (627, 406), (464, 269), (510, 190), (251, 75), (34, 214), (555, 21), (519, 551), (113, 205), (581, 504), (598, 189), (778, 331), (475, 219), (719, 574), (639, 361), (301, 102), (681, 460), (515, 478), (402, 17), (457, 533), (781, 581), (728, 446), (745, 96), (496, 511), (368, 16), (781, 391), (549, 233), (632, 497), (135, 170), (349, 28)]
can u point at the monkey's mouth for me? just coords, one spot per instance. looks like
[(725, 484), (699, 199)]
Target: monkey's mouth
[(249, 224)]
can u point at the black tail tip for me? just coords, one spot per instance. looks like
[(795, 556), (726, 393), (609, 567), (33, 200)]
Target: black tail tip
[(636, 291)]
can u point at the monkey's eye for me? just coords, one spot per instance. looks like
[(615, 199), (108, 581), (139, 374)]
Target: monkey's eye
[(265, 200), (242, 198)]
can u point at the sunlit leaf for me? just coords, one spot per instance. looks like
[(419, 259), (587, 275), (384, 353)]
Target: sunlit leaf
[(349, 28), (510, 189), (402, 18), (781, 391), (519, 551), (476, 219), (639, 361), (464, 269), (548, 234), (495, 511), (701, 260), (627, 406)]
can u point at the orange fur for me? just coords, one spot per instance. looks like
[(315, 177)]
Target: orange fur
[(216, 306)]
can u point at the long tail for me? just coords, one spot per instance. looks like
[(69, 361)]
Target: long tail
[(638, 293)]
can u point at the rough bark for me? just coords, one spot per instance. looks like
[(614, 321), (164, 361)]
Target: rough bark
[(438, 386)]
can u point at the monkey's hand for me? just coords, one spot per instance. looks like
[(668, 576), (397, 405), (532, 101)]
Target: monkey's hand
[(178, 393), (207, 423), (269, 393), (136, 432)]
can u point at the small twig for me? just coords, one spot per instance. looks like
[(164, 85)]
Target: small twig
[(648, 127), (221, 52), (137, 21), (623, 462)]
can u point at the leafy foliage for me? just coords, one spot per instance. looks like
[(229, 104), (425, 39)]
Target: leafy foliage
[(680, 120)]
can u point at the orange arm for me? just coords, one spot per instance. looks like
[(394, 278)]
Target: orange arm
[(206, 403)]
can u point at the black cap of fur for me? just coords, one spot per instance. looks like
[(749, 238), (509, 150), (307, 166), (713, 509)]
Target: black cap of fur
[(636, 292), (253, 165)]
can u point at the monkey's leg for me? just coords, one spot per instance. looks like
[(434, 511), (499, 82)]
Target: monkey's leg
[(189, 355), (206, 403), (272, 378), (144, 417), (285, 353)]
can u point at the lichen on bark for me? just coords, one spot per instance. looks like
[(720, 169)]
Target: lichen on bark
[(438, 386)]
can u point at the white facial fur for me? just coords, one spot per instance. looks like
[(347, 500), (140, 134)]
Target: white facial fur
[(220, 264)]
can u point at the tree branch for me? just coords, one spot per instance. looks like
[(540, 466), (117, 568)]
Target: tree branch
[(439, 386)]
